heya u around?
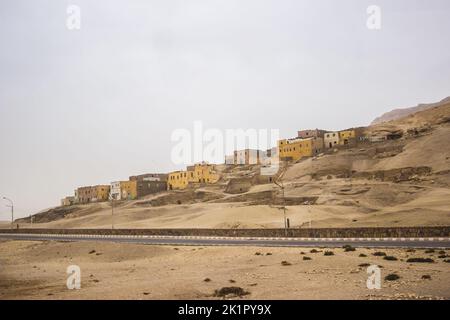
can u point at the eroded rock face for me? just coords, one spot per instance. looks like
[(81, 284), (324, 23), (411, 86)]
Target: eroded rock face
[(181, 197), (403, 112), (50, 215), (395, 175), (239, 185)]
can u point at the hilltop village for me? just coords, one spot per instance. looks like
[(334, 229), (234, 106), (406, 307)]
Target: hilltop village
[(308, 143)]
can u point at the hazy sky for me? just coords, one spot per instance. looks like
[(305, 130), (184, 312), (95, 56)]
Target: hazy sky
[(98, 104)]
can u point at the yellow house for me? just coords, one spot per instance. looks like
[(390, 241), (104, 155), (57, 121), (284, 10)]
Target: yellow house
[(203, 173), (346, 135), (179, 179), (198, 173), (100, 193), (128, 190), (297, 148)]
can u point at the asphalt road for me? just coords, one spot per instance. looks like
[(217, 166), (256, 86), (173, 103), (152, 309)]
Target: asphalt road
[(244, 241)]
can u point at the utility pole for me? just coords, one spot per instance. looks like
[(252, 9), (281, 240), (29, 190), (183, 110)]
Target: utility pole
[(11, 205), (111, 197), (281, 186), (112, 213), (310, 219)]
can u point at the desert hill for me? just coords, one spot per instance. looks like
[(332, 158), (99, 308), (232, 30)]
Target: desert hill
[(400, 182), (403, 112)]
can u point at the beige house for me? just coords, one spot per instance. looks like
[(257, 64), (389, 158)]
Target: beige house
[(331, 139), (67, 201), (247, 156)]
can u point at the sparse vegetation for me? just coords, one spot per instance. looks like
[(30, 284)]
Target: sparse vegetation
[(442, 256), (420, 260), (392, 277), (285, 263), (390, 258), (306, 258), (362, 255), (314, 251), (426, 277), (429, 251), (230, 291), (362, 265), (348, 248), (257, 253), (207, 280), (328, 253), (379, 254)]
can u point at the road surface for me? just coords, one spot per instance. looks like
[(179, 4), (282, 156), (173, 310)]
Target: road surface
[(242, 241)]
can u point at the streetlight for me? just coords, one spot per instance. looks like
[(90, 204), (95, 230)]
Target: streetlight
[(12, 210), (111, 197), (281, 185)]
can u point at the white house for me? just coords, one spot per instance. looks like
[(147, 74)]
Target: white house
[(115, 192), (331, 139)]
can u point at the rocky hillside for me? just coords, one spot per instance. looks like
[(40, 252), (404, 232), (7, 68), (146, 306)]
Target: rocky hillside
[(403, 112), (400, 182)]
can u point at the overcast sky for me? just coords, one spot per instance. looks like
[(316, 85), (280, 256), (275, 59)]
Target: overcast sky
[(90, 106)]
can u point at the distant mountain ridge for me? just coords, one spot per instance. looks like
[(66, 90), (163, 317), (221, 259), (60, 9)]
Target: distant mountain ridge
[(403, 112)]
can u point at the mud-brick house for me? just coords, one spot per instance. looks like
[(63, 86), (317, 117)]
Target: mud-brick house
[(203, 173), (197, 173), (68, 201), (331, 139), (347, 137), (179, 179), (270, 157), (150, 183), (100, 193), (310, 133), (247, 156), (123, 190), (128, 190), (85, 194), (297, 148)]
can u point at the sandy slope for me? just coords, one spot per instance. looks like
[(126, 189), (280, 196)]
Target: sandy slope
[(37, 270), (379, 204), (404, 112), (342, 182)]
